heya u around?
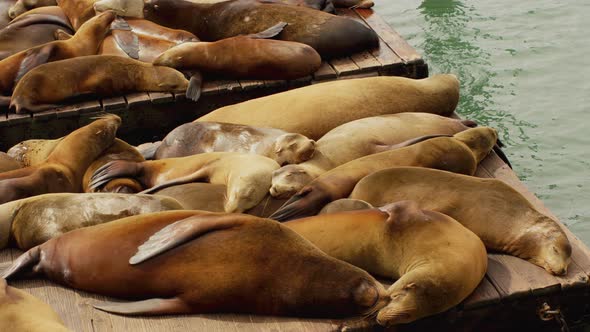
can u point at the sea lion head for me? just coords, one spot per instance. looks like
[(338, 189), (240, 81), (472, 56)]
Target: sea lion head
[(98, 25), (126, 8), (245, 192), (288, 180), (17, 9), (547, 246), (480, 140), (293, 149)]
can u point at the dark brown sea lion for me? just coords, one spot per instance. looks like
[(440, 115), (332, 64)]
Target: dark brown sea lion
[(22, 6), (29, 222), (357, 139), (202, 137), (52, 84), (7, 163), (315, 110), (460, 154), (505, 220), (193, 272), (85, 42), (22, 312), (328, 34), (435, 261), (63, 170), (31, 29)]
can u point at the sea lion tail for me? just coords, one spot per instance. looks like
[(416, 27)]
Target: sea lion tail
[(25, 260), (112, 170), (145, 307), (193, 92), (271, 32)]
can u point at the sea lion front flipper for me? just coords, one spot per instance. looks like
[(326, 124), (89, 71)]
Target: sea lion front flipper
[(61, 34), (307, 202), (145, 307), (112, 170), (271, 32), (381, 148), (194, 177), (181, 232), (193, 92), (25, 260), (33, 58), (119, 23), (128, 41)]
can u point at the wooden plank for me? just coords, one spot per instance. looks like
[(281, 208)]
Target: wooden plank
[(228, 86), (251, 84), (67, 111), (137, 99), (90, 106), (209, 88), (273, 84), (344, 66), (17, 119), (508, 283), (114, 104), (161, 97), (485, 294), (45, 115), (325, 72)]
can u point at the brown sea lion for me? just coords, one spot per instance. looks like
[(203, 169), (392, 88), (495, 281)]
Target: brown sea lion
[(52, 84), (33, 28), (460, 154), (265, 59), (329, 35), (22, 6), (202, 137), (193, 272), (7, 163), (315, 110), (28, 222), (345, 204), (63, 170), (22, 312), (436, 262), (247, 176), (325, 5), (33, 152), (77, 11), (211, 197), (504, 220), (357, 139), (120, 150), (85, 42)]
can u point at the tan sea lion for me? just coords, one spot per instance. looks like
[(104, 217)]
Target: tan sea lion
[(202, 137), (33, 28), (85, 42), (52, 84), (315, 110), (120, 150), (193, 272), (329, 35), (436, 262), (357, 139), (345, 204), (22, 6), (7, 163), (33, 152), (63, 170), (460, 154), (211, 197), (504, 220), (28, 222), (247, 176), (4, 6), (22, 312)]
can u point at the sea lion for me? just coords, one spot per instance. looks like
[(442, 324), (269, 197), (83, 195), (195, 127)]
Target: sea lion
[(211, 197), (364, 4), (437, 262), (33, 152), (357, 139), (33, 28), (7, 163), (315, 110), (247, 176), (504, 219), (329, 35), (4, 6), (22, 6), (52, 84), (460, 154), (345, 204), (85, 42), (120, 150), (194, 272), (28, 222), (325, 5), (77, 11), (62, 171), (202, 137), (265, 59), (22, 312)]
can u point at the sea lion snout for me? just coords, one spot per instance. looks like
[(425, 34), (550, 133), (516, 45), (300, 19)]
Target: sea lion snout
[(288, 180)]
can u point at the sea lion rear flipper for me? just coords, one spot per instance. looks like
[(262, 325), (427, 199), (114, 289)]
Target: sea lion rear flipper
[(271, 32), (382, 148), (128, 41), (193, 92), (33, 58), (200, 174), (145, 307), (181, 232), (61, 34), (25, 260), (112, 170)]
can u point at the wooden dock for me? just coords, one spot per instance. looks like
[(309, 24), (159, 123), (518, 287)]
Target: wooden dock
[(511, 296)]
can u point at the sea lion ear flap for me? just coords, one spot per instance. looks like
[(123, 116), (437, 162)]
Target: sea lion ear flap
[(271, 32), (33, 58), (181, 232), (193, 92), (61, 34)]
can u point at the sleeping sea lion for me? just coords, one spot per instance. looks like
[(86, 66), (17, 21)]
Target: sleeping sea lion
[(202, 137), (7, 163), (33, 152), (247, 176), (22, 6), (63, 170), (460, 154), (504, 219), (315, 110), (192, 270), (4, 18), (435, 261), (28, 222)]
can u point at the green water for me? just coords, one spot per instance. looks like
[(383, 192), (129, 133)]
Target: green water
[(524, 68)]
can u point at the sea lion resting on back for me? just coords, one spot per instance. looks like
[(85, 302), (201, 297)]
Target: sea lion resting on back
[(202, 137), (504, 219), (195, 273), (315, 110)]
